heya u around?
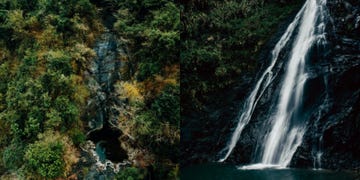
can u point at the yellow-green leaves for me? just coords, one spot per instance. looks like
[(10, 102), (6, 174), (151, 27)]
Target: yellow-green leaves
[(50, 157)]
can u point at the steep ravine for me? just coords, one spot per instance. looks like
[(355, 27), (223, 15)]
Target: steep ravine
[(103, 151)]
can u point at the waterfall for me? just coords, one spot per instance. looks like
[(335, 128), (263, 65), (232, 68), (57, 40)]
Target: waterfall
[(103, 137), (288, 127), (265, 80)]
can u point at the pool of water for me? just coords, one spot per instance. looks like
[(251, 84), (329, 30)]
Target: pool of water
[(218, 171), (108, 145)]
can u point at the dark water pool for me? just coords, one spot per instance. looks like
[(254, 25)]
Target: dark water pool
[(227, 172), (108, 145)]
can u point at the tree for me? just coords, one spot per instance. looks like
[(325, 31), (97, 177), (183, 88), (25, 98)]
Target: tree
[(167, 105), (13, 155), (130, 173), (51, 156), (45, 46), (153, 30), (45, 158), (59, 61)]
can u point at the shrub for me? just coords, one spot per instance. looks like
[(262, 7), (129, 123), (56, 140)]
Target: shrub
[(167, 105), (45, 158), (59, 61), (13, 156), (51, 156), (130, 91), (130, 173)]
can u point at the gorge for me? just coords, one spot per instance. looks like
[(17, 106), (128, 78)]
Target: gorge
[(104, 136)]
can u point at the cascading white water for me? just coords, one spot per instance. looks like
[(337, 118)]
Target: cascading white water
[(266, 78), (285, 136)]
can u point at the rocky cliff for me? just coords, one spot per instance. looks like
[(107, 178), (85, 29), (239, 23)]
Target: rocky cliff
[(331, 101)]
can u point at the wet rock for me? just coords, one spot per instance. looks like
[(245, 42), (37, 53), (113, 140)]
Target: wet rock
[(331, 105), (339, 145), (103, 154)]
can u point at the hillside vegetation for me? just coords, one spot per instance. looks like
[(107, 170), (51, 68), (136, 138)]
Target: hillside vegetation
[(45, 50)]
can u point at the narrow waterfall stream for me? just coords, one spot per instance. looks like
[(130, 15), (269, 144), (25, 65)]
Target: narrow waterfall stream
[(287, 122), (104, 72)]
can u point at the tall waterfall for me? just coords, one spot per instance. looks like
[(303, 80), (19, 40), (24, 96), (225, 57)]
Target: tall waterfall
[(288, 128)]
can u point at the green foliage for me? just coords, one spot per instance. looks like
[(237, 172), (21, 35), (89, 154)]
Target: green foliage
[(167, 105), (166, 171), (158, 127), (147, 69), (57, 84), (4, 82), (13, 155), (154, 35), (59, 61), (226, 38), (175, 173), (67, 109), (130, 173), (145, 122), (152, 31), (77, 136), (38, 103), (45, 45), (53, 119), (45, 49), (45, 158)]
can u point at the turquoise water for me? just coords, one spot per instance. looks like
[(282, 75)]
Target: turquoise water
[(227, 172)]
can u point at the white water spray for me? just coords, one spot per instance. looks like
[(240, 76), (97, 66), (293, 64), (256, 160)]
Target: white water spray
[(285, 136), (260, 87)]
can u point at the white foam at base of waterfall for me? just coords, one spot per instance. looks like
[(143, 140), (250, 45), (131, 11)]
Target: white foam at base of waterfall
[(100, 164), (260, 166)]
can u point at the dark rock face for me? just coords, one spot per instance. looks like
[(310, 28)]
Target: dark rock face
[(333, 93), (204, 134), (103, 73), (104, 149), (331, 104), (107, 10)]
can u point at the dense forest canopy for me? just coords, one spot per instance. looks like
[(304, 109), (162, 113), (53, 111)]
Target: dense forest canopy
[(46, 48)]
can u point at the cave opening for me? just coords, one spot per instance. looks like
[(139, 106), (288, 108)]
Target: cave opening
[(108, 145)]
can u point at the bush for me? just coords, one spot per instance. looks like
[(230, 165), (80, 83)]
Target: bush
[(50, 157), (153, 34), (167, 105), (13, 156), (130, 173), (46, 158), (45, 47), (129, 91), (77, 137), (59, 61)]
